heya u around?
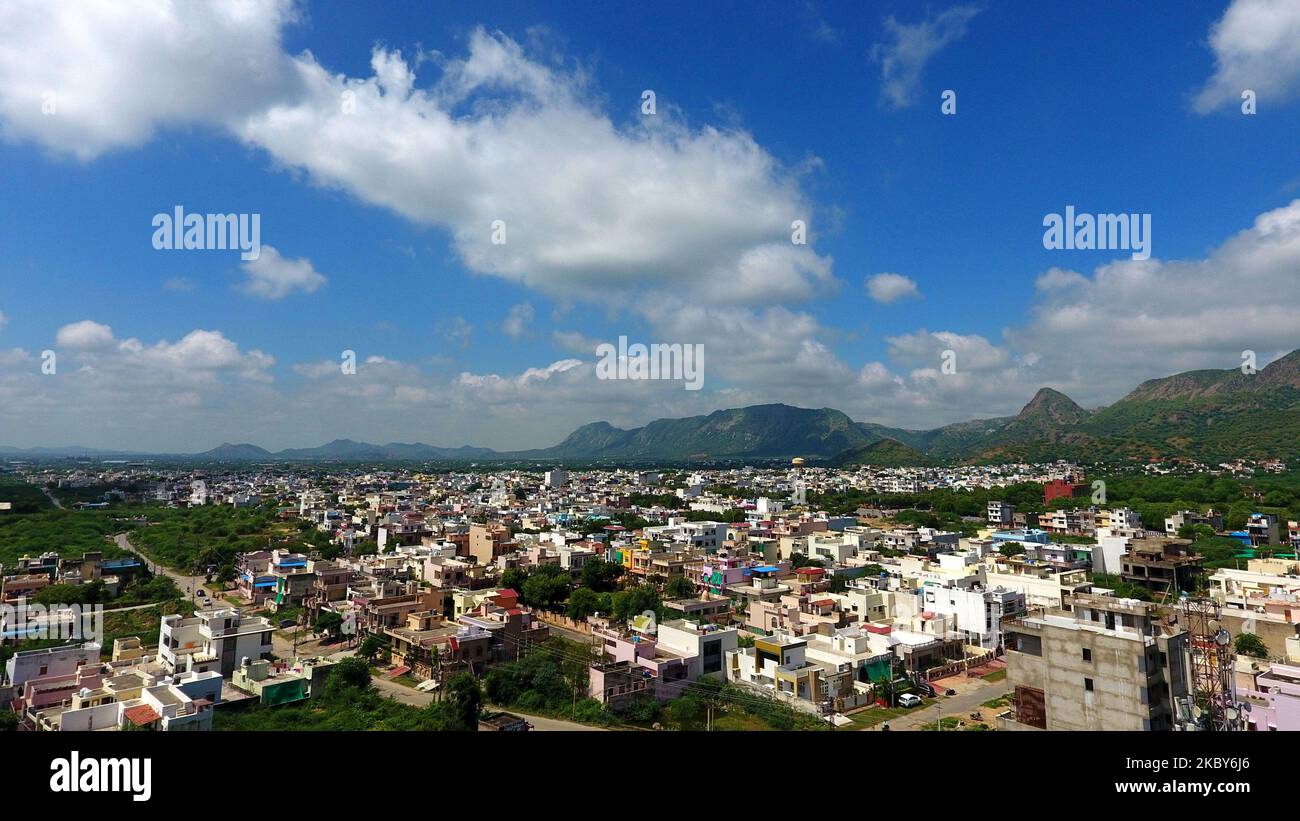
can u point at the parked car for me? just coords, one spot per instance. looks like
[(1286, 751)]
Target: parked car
[(909, 700), (925, 688)]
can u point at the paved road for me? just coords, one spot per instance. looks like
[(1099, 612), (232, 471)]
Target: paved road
[(187, 584), (53, 498), (948, 707)]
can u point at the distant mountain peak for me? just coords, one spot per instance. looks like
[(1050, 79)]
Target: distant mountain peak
[(1053, 406), (226, 450)]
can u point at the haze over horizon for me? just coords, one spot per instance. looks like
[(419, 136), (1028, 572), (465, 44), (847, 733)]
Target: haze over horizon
[(380, 150)]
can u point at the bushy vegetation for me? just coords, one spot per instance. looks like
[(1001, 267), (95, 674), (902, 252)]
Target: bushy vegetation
[(734, 708), (550, 680), (23, 498), (213, 535), (66, 532), (351, 703)]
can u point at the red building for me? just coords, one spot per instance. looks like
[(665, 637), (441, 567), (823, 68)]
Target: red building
[(1058, 488)]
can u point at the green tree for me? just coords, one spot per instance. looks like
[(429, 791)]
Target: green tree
[(371, 647), (513, 578), (328, 622), (583, 602), (349, 678), (464, 700), (679, 587), (1249, 644), (600, 575)]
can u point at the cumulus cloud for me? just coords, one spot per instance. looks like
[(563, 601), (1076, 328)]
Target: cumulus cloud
[(126, 392), (84, 335), (83, 78), (272, 276), (890, 288), (501, 139), (907, 48), (1256, 46)]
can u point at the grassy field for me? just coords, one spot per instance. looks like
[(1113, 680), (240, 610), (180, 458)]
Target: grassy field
[(872, 716)]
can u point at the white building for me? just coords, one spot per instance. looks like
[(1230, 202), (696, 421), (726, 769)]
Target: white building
[(214, 639), (978, 611), (703, 646)]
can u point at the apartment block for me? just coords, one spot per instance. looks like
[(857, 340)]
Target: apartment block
[(1106, 664)]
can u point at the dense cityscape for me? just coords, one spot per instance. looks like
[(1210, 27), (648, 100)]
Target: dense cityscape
[(963, 598), (379, 377)]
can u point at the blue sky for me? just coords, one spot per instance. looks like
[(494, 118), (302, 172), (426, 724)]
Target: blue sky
[(767, 112)]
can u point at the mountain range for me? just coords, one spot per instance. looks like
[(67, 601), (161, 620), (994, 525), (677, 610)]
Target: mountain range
[(1206, 415)]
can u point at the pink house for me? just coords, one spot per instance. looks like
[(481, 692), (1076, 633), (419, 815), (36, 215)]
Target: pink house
[(1274, 702)]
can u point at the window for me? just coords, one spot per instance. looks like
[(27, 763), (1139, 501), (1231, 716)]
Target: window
[(1087, 654), (1087, 684)]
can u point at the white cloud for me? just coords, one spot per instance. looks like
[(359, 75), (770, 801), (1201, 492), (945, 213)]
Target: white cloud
[(1256, 46), (655, 205), (90, 76), (272, 276), (575, 341), (4, 320), (84, 335), (125, 392), (924, 349), (889, 288), (519, 321), (908, 48)]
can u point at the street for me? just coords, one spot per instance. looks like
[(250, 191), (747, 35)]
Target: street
[(948, 707)]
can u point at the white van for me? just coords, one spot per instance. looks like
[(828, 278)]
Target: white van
[(909, 700)]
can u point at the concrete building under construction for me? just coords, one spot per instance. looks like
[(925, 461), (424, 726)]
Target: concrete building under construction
[(1104, 663)]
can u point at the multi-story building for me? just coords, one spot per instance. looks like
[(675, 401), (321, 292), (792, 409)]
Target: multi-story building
[(487, 542), (779, 665), (978, 611), (216, 639), (1262, 529), (1175, 523), (1061, 489), (1107, 664), (1001, 514), (1161, 565), (430, 643)]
